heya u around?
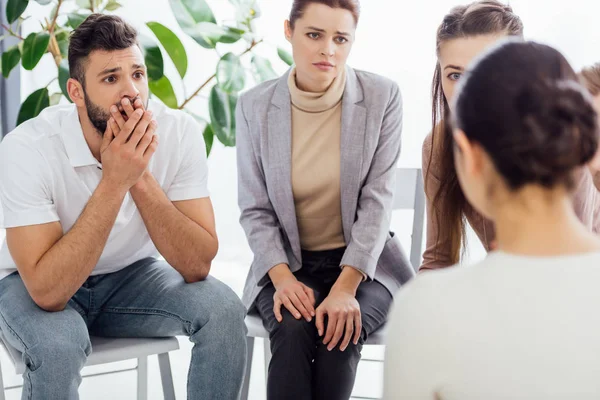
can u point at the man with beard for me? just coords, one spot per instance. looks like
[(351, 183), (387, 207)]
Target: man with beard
[(92, 193)]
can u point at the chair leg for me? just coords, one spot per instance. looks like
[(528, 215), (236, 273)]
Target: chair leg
[(248, 372), (267, 351), (166, 377), (1, 384), (142, 378)]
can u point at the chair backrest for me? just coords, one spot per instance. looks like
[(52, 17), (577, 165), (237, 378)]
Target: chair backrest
[(410, 195)]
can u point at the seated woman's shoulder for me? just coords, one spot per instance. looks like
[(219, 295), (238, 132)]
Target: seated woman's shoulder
[(375, 81), (265, 88)]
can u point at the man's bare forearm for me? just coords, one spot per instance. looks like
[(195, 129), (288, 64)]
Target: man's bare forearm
[(185, 245), (69, 262)]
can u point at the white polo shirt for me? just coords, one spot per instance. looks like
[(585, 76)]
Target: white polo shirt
[(48, 173)]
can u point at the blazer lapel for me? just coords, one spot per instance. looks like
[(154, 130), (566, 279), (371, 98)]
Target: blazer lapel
[(354, 125), (279, 137)]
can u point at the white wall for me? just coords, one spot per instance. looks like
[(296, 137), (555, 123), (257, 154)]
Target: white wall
[(394, 38)]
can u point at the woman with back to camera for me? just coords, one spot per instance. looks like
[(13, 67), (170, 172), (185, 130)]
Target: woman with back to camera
[(317, 151), (523, 323), (463, 34)]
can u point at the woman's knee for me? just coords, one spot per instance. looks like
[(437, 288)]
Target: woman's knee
[(293, 329)]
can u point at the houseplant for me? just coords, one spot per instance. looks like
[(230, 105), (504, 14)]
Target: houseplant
[(196, 20)]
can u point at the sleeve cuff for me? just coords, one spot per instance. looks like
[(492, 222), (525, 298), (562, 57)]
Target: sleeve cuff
[(360, 260), (364, 276), (266, 262), (188, 193), (25, 218)]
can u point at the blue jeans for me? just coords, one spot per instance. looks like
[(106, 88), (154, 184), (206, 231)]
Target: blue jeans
[(147, 299)]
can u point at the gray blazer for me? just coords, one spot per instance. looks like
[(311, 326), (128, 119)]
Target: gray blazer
[(370, 141)]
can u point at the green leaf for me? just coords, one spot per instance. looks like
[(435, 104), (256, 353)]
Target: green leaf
[(191, 12), (237, 31), (153, 57), (207, 133), (172, 45), (209, 137), (76, 19), (55, 98), (285, 56), (43, 2), (163, 89), (62, 38), (231, 35), (63, 77), (262, 69), (33, 105), (113, 5), (221, 106), (34, 47), (231, 75), (89, 4), (84, 4), (10, 59), (14, 9), (208, 34)]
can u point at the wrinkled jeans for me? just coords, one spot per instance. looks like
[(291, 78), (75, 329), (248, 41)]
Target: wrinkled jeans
[(147, 299)]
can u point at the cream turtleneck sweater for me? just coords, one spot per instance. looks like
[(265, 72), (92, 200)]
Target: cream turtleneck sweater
[(316, 147)]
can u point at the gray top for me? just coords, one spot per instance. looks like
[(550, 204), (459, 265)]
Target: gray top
[(370, 148)]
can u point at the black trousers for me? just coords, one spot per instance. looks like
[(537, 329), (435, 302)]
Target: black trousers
[(301, 367)]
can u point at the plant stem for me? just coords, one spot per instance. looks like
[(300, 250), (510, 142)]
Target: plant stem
[(55, 50), (53, 23), (206, 82), (10, 31), (53, 46), (53, 79)]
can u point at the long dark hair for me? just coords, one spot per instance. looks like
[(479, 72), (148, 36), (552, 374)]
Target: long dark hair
[(540, 124), (449, 203)]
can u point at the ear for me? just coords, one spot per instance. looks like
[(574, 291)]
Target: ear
[(471, 154), (287, 29), (75, 91)]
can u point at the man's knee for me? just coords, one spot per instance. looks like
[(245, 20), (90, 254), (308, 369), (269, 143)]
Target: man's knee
[(66, 349), (218, 304), (230, 309)]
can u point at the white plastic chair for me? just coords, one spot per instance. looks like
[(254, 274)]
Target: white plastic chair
[(409, 195), (109, 350)]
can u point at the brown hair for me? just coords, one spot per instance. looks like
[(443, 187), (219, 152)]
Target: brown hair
[(299, 6), (449, 203), (98, 32), (590, 78)]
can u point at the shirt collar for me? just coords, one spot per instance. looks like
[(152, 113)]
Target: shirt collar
[(78, 151)]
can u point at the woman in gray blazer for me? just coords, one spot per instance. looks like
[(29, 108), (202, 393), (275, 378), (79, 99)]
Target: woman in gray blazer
[(317, 150)]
